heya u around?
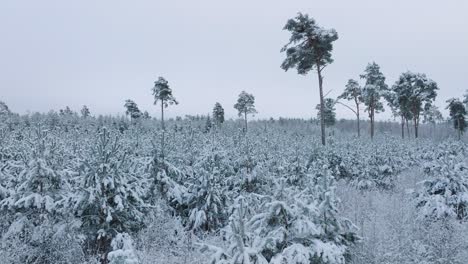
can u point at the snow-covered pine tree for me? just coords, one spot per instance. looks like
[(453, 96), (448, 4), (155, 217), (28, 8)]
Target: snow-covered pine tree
[(66, 112), (445, 193), (309, 48), (458, 114), (4, 110), (240, 249), (337, 231), (37, 222), (353, 91), (373, 91), (208, 124), (208, 196), (414, 92), (302, 228), (218, 114), (132, 110), (85, 111), (162, 93), (245, 105), (109, 199), (122, 250)]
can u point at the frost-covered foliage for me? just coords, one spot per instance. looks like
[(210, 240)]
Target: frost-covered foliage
[(309, 46), (291, 225), (240, 248), (33, 206), (110, 192), (122, 250), (458, 113), (373, 90), (445, 192), (414, 92), (70, 186)]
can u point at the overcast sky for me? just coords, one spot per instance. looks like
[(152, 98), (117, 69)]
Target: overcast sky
[(99, 53)]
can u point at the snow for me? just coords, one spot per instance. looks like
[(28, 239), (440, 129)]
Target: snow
[(222, 196)]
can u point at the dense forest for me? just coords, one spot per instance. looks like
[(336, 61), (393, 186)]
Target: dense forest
[(77, 187)]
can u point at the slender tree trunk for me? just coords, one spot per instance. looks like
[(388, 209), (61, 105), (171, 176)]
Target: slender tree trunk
[(163, 130), (407, 127), (322, 107), (358, 126), (416, 125), (415, 128), (372, 122), (245, 120), (402, 127), (358, 121), (459, 129)]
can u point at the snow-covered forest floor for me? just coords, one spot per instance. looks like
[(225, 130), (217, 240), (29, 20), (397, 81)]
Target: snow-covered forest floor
[(90, 190), (391, 230)]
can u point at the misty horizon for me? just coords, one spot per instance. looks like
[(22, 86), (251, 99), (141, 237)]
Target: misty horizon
[(100, 54)]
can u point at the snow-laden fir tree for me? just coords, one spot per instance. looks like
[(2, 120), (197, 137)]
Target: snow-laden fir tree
[(85, 111), (4, 110), (35, 211), (301, 227), (122, 250), (207, 199), (66, 112), (208, 194), (208, 124), (132, 109), (373, 91), (336, 229), (458, 114), (445, 193), (353, 91), (414, 93), (218, 114), (309, 48), (245, 105), (239, 240), (109, 198)]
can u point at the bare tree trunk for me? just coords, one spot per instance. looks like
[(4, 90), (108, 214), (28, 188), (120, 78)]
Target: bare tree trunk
[(245, 120), (407, 127), (416, 125), (322, 107), (358, 126), (459, 129), (163, 130), (358, 123), (372, 123), (402, 127), (415, 129)]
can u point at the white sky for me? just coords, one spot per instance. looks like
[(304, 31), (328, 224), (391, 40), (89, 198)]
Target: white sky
[(99, 53)]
